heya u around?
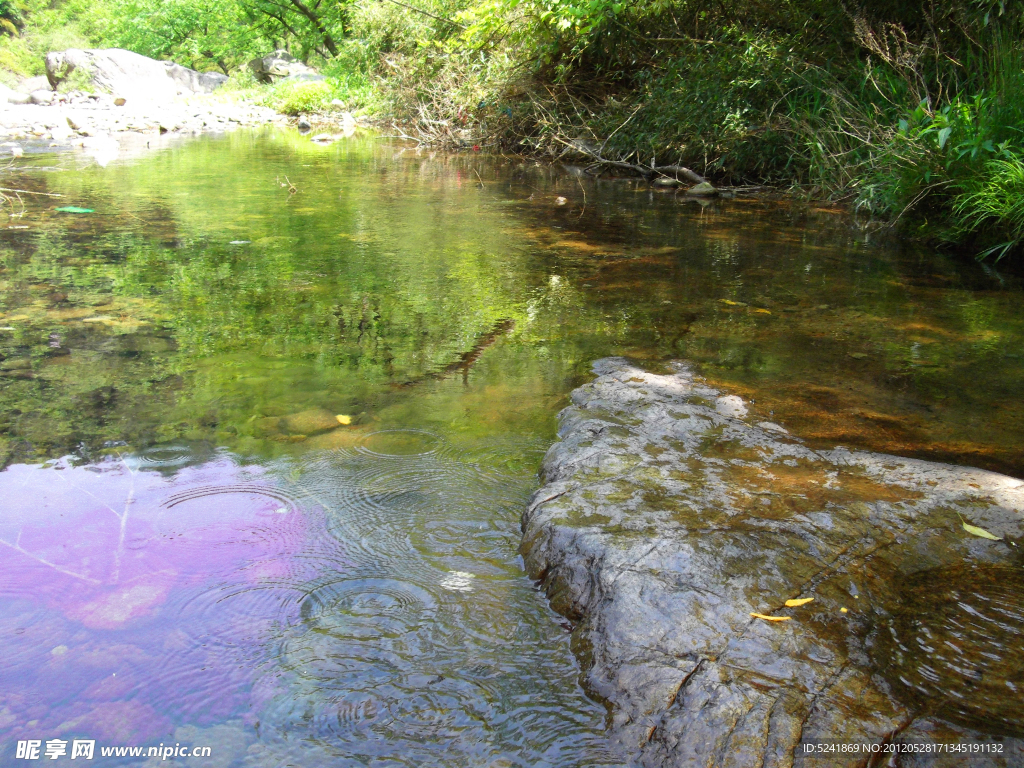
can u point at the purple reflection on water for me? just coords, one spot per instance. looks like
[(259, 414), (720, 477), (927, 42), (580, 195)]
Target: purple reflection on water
[(132, 602)]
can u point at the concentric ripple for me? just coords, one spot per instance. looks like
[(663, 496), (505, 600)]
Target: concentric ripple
[(400, 442), (285, 502), (367, 604), (366, 609), (172, 455), (953, 645), (421, 650)]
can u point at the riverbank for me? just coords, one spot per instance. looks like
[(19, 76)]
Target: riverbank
[(105, 128), (741, 599), (80, 116), (910, 115)]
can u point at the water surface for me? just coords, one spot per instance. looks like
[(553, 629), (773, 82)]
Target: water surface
[(270, 414)]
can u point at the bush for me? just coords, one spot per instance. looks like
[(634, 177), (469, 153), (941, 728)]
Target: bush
[(993, 206), (298, 98)]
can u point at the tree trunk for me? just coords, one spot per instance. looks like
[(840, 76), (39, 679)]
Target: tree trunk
[(305, 10)]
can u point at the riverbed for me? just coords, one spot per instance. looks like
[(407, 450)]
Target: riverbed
[(271, 411)]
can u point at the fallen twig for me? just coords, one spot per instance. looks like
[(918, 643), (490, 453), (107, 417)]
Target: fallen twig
[(30, 192), (647, 171)]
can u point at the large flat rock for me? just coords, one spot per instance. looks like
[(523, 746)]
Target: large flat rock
[(129, 75), (670, 513)]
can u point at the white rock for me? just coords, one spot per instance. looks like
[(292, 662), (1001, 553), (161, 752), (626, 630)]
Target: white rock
[(731, 406)]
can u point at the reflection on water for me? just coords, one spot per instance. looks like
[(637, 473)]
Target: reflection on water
[(266, 452), (356, 605)]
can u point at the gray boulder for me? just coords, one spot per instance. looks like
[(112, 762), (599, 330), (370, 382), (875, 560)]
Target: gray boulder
[(42, 97), (5, 94), (305, 77), (30, 84), (129, 75), (281, 65), (671, 515), (192, 81)]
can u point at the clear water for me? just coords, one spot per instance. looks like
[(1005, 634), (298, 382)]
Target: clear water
[(266, 450)]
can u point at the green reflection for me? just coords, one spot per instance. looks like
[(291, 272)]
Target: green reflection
[(204, 300)]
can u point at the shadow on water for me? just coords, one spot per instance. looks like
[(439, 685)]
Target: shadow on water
[(266, 452)]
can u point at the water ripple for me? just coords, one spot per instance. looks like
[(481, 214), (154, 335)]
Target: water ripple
[(953, 645), (420, 648)]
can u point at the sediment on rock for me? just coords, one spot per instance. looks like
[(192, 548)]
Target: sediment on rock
[(670, 514)]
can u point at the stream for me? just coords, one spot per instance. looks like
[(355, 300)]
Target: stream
[(270, 413)]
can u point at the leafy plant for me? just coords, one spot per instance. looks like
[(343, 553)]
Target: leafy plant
[(297, 98), (994, 205)]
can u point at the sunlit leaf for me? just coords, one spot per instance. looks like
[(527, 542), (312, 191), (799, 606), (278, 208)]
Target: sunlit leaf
[(798, 601), (771, 618), (343, 418), (980, 532)]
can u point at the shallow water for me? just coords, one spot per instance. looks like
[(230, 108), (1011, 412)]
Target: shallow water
[(267, 450), (951, 646)]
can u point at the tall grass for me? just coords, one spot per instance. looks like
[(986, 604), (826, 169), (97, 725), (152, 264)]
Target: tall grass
[(993, 206)]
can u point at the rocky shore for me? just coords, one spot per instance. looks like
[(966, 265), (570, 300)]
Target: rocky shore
[(70, 118), (132, 100), (104, 131), (740, 599)]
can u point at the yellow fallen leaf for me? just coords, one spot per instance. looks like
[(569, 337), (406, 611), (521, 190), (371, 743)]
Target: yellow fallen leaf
[(732, 303), (842, 610), (798, 601), (976, 531), (762, 311), (771, 618), (343, 419)]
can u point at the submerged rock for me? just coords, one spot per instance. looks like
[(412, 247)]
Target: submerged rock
[(310, 422), (301, 424), (670, 516)]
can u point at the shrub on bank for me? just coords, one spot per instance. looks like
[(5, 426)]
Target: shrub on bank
[(912, 113)]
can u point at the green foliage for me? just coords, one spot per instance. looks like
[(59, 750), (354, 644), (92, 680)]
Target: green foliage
[(896, 107), (78, 80), (201, 34), (17, 58), (711, 105), (993, 205), (581, 18), (298, 98), (46, 27)]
